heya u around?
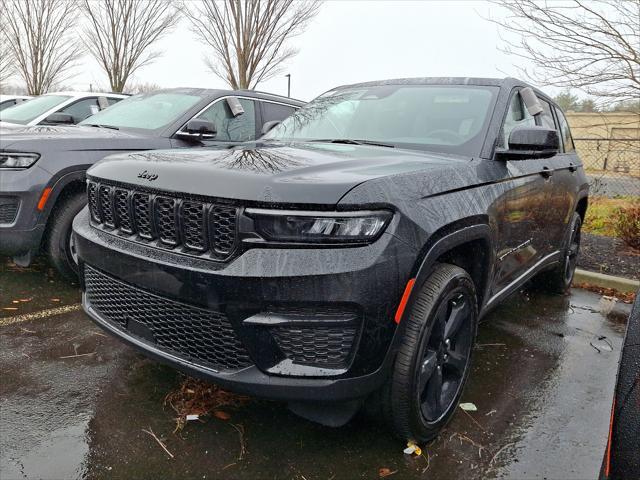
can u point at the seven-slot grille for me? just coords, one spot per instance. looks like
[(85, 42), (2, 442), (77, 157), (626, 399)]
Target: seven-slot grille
[(192, 226)]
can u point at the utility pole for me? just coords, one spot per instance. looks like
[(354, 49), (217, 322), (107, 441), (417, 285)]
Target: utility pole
[(288, 75)]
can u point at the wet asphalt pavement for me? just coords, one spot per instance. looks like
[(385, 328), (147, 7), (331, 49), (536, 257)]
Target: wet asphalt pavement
[(542, 380)]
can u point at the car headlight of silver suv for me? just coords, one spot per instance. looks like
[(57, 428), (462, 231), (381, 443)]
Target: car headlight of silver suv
[(319, 227), (17, 159)]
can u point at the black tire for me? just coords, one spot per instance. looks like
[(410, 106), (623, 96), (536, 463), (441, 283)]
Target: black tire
[(559, 279), (408, 402), (58, 244)]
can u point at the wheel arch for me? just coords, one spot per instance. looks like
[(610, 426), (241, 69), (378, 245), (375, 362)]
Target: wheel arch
[(466, 243), (69, 184)]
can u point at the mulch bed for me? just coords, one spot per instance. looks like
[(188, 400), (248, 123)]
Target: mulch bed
[(608, 255)]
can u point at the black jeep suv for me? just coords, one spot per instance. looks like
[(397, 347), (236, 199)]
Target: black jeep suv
[(42, 182), (346, 255)]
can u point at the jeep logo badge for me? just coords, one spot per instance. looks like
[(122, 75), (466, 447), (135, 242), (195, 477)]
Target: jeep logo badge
[(147, 176)]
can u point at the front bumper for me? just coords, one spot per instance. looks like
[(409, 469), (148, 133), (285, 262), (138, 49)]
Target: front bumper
[(21, 223), (262, 290)]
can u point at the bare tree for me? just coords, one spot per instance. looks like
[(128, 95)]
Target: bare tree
[(593, 45), (6, 61), (249, 37), (121, 33), (41, 39)]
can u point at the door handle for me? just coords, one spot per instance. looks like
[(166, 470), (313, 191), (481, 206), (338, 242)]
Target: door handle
[(546, 172), (572, 167)]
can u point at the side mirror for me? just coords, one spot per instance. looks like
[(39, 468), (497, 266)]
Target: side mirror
[(59, 119), (268, 126), (198, 129), (531, 142)]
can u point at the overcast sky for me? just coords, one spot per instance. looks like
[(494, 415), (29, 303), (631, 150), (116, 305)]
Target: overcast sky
[(348, 42)]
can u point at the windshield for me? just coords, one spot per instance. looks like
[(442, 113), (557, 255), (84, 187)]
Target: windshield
[(25, 112), (450, 119), (145, 112)]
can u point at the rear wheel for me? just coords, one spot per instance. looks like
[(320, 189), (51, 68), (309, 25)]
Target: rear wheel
[(433, 361), (559, 279), (60, 246)]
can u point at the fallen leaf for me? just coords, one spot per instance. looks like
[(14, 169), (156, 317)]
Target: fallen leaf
[(221, 415), (55, 299), (385, 472), (26, 299), (9, 308), (468, 407), (15, 301)]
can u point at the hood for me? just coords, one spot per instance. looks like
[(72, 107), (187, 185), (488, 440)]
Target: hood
[(53, 137), (302, 173)]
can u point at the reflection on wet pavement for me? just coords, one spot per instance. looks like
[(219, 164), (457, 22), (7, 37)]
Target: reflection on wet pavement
[(74, 404)]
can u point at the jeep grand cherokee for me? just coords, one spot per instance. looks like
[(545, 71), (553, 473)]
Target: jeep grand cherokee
[(346, 255)]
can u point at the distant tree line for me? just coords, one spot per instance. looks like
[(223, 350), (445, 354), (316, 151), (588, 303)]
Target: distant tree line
[(42, 41), (571, 102)]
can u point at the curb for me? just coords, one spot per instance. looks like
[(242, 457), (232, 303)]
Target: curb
[(606, 281)]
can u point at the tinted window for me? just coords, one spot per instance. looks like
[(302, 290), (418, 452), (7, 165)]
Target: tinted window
[(517, 116), (546, 118), (82, 109), (275, 111), (25, 112), (565, 133), (430, 117), (146, 112), (229, 128)]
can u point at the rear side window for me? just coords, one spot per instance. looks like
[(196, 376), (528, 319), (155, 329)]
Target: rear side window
[(82, 109), (517, 116), (546, 118), (229, 128), (275, 111), (565, 133)]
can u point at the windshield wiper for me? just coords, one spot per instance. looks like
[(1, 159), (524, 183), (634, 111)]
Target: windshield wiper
[(350, 141), (110, 127)]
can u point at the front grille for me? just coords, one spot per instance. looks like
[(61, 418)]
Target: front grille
[(201, 336), (190, 226), (8, 211), (321, 346)]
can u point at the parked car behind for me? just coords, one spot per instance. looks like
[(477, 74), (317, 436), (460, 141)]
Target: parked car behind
[(7, 101), (61, 108), (42, 168), (347, 254)]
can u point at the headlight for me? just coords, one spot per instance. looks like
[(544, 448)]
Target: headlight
[(319, 227), (17, 160)]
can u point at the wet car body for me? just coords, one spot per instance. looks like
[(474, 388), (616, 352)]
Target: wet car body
[(29, 196), (320, 322)]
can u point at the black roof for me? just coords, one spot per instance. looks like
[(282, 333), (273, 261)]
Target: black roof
[(506, 83)]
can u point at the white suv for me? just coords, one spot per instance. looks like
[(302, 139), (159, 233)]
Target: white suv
[(60, 108)]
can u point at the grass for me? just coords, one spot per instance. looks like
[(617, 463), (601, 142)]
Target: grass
[(601, 214)]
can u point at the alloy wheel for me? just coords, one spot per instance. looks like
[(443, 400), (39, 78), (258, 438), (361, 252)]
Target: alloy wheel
[(445, 357)]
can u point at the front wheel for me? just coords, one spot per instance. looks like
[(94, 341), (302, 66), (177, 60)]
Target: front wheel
[(433, 360), (60, 245)]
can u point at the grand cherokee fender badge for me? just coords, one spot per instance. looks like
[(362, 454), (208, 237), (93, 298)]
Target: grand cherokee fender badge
[(147, 176)]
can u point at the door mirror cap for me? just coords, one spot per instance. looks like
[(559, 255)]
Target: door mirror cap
[(531, 101), (59, 119), (268, 126), (198, 129), (531, 142)]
